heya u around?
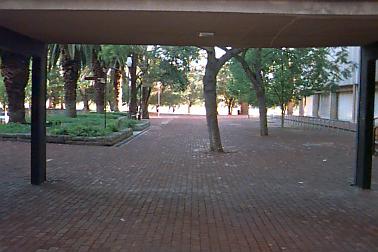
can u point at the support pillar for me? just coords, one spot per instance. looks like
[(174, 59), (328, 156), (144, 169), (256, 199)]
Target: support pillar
[(38, 120), (301, 106), (315, 105), (365, 117), (333, 105), (355, 99)]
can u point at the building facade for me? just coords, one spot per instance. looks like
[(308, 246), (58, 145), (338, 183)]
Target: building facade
[(343, 103)]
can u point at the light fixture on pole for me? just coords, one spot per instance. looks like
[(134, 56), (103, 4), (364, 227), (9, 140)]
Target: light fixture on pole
[(159, 90), (129, 63), (108, 75)]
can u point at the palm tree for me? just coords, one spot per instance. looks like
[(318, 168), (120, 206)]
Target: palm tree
[(100, 74), (115, 57), (72, 58), (15, 70)]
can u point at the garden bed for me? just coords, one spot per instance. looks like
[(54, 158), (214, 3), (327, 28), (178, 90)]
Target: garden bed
[(86, 129)]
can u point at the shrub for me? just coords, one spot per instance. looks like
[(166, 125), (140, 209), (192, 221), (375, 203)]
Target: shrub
[(14, 128), (84, 125), (79, 130)]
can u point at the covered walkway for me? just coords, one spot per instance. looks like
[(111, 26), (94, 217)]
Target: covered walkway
[(164, 192), (27, 26)]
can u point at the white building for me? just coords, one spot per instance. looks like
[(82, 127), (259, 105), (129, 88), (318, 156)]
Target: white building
[(341, 105)]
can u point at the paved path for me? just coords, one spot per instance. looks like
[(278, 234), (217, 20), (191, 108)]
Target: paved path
[(164, 192)]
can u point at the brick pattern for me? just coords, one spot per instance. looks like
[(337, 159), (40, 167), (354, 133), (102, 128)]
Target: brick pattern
[(164, 192)]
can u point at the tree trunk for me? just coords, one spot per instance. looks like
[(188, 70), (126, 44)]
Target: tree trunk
[(213, 66), (209, 82), (70, 69), (98, 84), (258, 85), (15, 70), (244, 106), (189, 107), (117, 87), (84, 95), (229, 106), (86, 104), (146, 92), (133, 87), (282, 115), (262, 113), (55, 101)]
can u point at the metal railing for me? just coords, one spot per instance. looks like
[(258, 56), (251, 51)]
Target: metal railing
[(319, 123)]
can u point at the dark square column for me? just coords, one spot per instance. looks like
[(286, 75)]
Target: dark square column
[(38, 120), (365, 117)]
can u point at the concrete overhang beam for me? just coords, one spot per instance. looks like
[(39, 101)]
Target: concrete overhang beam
[(234, 23)]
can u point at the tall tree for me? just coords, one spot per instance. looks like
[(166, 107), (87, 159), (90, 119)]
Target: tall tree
[(194, 91), (212, 69), (99, 72), (253, 70), (133, 85), (55, 87), (301, 72), (115, 57), (282, 76), (86, 89), (72, 57), (168, 65), (15, 70), (231, 89), (71, 67)]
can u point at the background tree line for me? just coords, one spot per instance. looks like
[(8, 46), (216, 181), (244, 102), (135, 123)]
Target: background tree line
[(263, 77)]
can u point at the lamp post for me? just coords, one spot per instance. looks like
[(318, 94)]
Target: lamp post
[(104, 82), (140, 103), (108, 74), (129, 63), (159, 90)]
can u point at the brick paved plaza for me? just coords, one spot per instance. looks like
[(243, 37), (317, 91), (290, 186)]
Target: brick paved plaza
[(164, 192)]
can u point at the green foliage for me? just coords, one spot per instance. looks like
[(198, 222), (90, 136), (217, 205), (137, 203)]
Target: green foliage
[(170, 65), (125, 123), (55, 87), (194, 91), (88, 124), (289, 73), (116, 55), (82, 51), (295, 73), (168, 97), (232, 84), (85, 125), (14, 128), (80, 130), (86, 90)]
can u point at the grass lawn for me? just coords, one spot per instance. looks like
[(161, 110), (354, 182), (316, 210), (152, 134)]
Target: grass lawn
[(85, 124)]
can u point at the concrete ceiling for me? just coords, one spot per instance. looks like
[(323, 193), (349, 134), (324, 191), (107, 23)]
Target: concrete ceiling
[(234, 23)]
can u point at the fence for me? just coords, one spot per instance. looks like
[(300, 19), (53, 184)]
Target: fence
[(319, 123)]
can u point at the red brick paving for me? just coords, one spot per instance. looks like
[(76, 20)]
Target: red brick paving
[(164, 192)]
